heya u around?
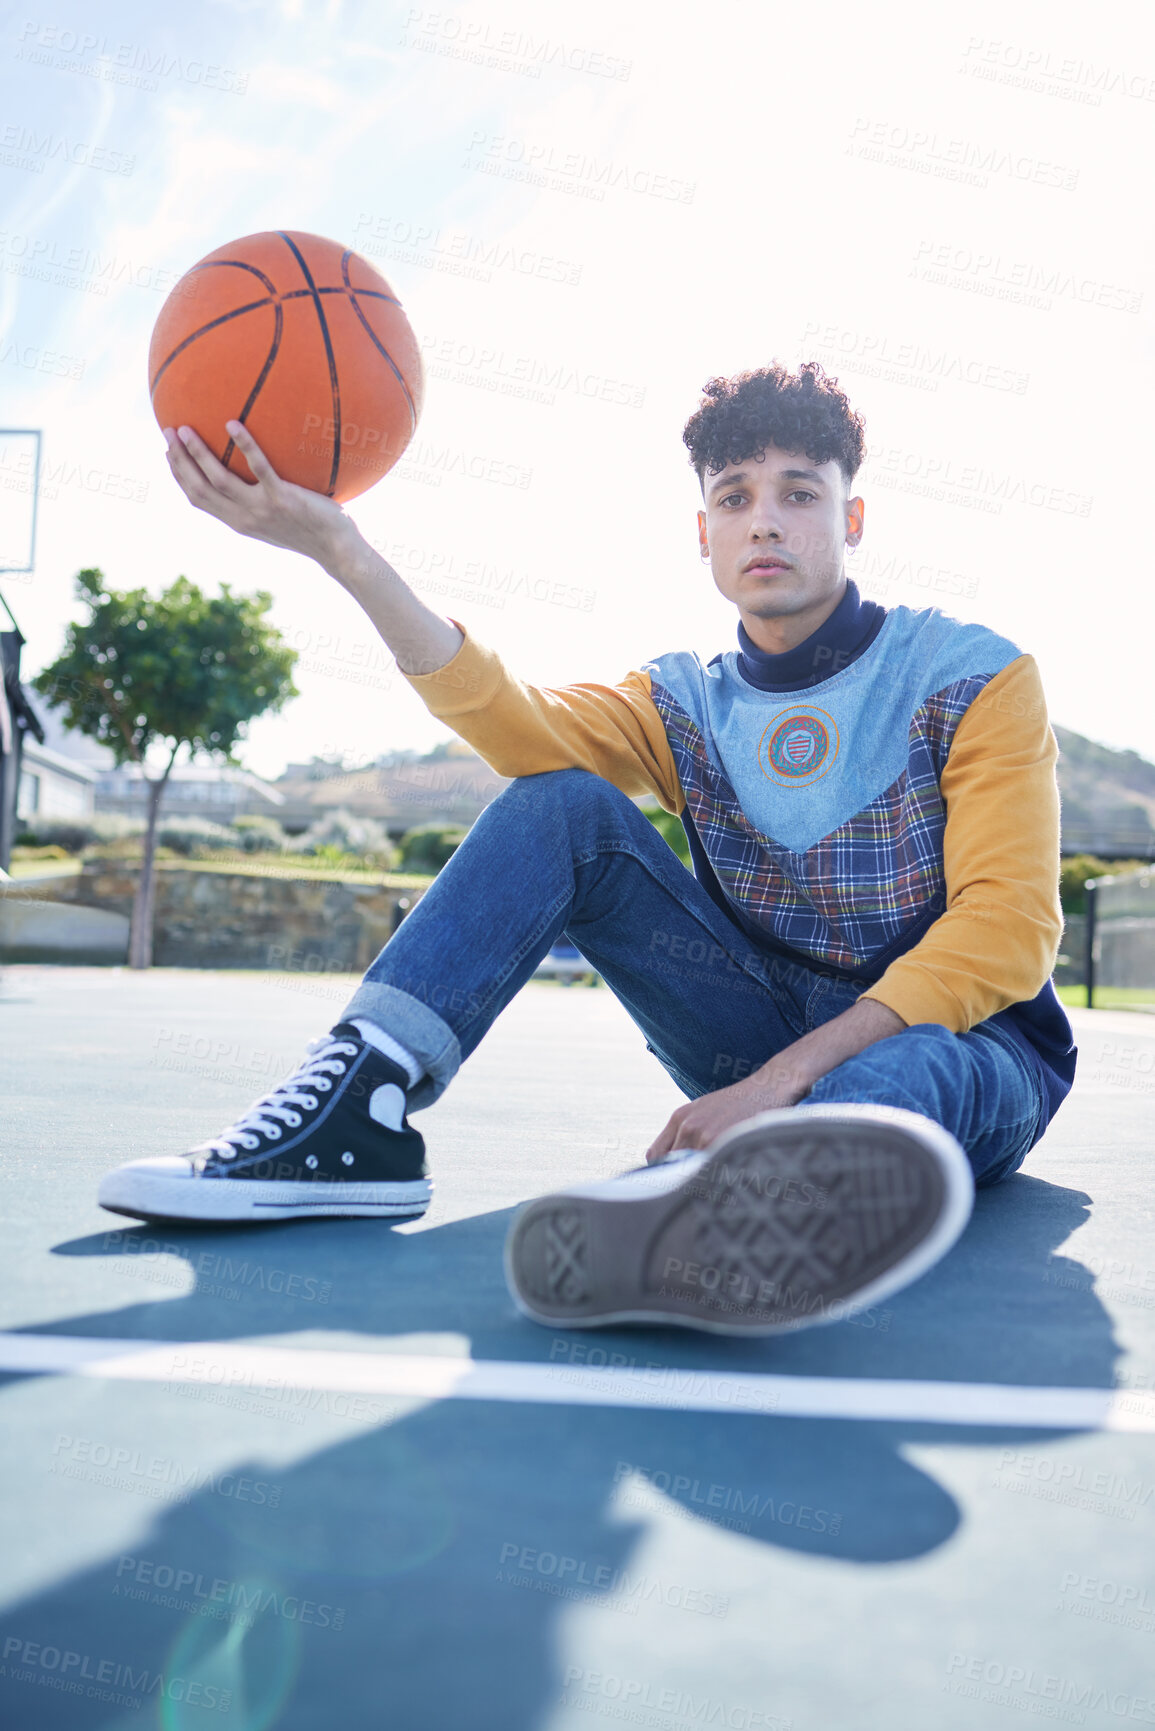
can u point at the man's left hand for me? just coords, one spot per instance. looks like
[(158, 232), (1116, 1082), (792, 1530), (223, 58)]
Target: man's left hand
[(785, 1080), (700, 1122)]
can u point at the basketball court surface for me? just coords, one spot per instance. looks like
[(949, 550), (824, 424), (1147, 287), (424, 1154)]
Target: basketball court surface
[(323, 1474)]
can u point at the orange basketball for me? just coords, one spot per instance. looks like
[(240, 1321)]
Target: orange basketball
[(304, 343)]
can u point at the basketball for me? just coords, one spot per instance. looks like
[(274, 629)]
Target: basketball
[(304, 343)]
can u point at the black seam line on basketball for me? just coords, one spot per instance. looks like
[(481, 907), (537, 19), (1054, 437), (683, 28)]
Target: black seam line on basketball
[(251, 306), (334, 382), (273, 299), (375, 340), (237, 264), (292, 294), (374, 294), (335, 289), (215, 264), (274, 350)]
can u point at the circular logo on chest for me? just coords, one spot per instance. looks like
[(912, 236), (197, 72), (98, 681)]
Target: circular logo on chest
[(799, 747)]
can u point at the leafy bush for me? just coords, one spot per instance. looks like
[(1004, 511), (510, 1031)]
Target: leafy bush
[(72, 836), (22, 852), (428, 847), (671, 831), (259, 835), (339, 838), (327, 853), (192, 837), (1074, 871)]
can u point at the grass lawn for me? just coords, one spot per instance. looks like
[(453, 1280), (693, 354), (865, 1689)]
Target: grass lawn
[(43, 868), (262, 865), (1109, 997), (250, 865)]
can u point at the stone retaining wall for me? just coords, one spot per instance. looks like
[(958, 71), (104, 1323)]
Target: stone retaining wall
[(251, 919)]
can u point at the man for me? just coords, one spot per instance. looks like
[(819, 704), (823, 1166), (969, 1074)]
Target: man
[(853, 990)]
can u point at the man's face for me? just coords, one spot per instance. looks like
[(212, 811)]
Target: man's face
[(775, 529)]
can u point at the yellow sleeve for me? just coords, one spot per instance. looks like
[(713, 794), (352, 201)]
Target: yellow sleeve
[(613, 730), (997, 941)]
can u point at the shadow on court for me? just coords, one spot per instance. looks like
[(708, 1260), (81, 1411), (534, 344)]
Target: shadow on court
[(451, 1539)]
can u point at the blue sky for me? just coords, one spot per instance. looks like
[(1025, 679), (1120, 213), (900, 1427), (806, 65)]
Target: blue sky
[(587, 212)]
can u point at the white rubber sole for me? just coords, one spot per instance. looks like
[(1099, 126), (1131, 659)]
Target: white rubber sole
[(157, 1196), (794, 1219)]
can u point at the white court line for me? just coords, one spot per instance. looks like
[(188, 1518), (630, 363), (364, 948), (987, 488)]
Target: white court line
[(236, 1365)]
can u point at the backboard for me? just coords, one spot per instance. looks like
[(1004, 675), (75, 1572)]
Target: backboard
[(19, 493)]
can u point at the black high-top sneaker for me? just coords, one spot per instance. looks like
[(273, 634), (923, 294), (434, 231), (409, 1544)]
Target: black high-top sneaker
[(332, 1139), (799, 1216)]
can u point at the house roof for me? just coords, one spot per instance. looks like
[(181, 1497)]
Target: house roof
[(34, 752), (194, 775)]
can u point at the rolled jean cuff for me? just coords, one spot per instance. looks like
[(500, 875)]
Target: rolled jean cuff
[(419, 1029)]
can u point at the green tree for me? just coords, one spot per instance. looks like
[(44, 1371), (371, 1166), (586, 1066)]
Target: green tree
[(1075, 869), (177, 669), (430, 846), (671, 831)]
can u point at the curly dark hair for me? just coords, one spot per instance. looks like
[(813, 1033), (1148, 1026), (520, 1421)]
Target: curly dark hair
[(803, 411)]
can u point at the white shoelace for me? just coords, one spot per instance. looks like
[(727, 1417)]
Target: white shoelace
[(266, 1115)]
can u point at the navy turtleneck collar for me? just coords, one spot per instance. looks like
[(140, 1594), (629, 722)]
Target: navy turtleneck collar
[(838, 641)]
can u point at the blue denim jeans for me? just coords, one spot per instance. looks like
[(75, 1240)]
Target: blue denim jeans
[(565, 851)]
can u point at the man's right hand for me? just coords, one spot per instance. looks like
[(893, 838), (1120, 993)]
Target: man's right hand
[(285, 515), (268, 509)]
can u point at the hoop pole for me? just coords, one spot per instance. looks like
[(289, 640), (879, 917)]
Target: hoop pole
[(1090, 889)]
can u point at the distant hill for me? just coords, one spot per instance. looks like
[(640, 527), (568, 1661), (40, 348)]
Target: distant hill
[(1108, 798), (449, 785)]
